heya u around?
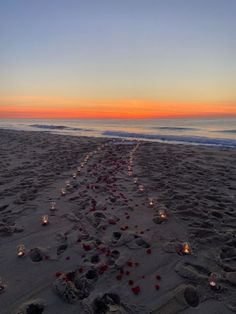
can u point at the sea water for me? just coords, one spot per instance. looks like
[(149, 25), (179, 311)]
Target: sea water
[(190, 131)]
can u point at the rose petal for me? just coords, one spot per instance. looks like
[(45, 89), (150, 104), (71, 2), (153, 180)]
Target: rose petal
[(136, 290)]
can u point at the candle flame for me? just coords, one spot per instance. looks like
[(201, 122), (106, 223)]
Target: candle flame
[(186, 248)]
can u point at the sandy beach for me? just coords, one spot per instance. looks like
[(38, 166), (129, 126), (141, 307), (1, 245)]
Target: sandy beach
[(129, 227)]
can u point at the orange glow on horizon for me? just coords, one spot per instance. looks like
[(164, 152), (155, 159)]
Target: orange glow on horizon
[(59, 108)]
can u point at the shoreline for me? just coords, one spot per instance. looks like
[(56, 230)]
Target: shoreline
[(162, 139), (104, 240)]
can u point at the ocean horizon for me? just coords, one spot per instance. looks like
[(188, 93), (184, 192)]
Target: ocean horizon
[(220, 132)]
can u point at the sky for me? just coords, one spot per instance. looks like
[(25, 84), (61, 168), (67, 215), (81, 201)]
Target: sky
[(117, 58)]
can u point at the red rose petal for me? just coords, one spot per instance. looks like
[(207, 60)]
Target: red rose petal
[(149, 251), (58, 273), (86, 247), (136, 290), (157, 287), (130, 264), (67, 258)]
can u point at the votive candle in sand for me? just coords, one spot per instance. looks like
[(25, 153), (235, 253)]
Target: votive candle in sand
[(213, 280), (141, 188), (78, 169), (151, 202), (53, 205), (20, 250), (162, 214), (68, 183), (186, 249), (45, 220), (63, 191), (135, 180), (74, 175)]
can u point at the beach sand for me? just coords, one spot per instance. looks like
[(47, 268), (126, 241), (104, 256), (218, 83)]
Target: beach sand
[(106, 248)]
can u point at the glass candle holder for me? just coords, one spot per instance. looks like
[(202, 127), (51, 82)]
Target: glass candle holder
[(45, 220), (213, 280), (162, 214), (20, 250), (151, 202), (141, 188), (52, 205), (68, 183), (63, 191)]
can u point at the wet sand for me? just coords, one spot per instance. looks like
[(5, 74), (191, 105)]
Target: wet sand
[(106, 248)]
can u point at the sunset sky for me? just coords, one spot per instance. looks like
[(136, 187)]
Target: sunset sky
[(117, 58)]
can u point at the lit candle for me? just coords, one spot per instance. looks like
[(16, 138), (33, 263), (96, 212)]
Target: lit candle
[(213, 280), (135, 180), (162, 214), (53, 205), (82, 165), (151, 202), (45, 220), (74, 175), (63, 191), (20, 250), (78, 169), (186, 249), (141, 188)]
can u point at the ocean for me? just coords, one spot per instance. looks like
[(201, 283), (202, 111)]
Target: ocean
[(221, 132)]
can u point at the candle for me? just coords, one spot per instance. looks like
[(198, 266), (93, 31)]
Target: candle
[(20, 250), (53, 205), (82, 165), (213, 280), (74, 175), (162, 214), (141, 188), (63, 191), (135, 180), (151, 201), (45, 220), (78, 169), (186, 249), (68, 183)]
